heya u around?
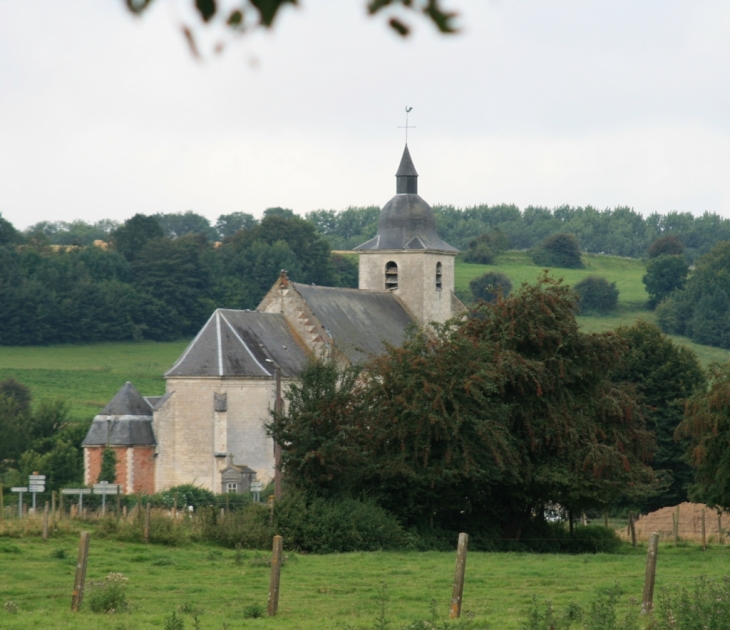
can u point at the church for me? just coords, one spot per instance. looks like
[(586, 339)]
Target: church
[(208, 428)]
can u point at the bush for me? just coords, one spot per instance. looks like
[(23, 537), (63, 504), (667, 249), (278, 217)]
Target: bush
[(669, 245), (487, 286), (483, 248), (187, 494), (322, 526), (708, 606), (558, 250), (108, 596), (664, 274), (597, 295), (480, 254)]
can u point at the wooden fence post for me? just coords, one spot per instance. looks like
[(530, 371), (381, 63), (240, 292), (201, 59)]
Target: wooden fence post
[(704, 537), (45, 522), (632, 529), (456, 596), (147, 523), (676, 528), (2, 506), (648, 599), (719, 527), (80, 580), (276, 554)]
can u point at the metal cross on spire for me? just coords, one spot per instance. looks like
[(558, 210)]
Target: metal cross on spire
[(408, 111)]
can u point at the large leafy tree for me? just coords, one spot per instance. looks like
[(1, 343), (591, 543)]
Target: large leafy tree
[(664, 273), (665, 375), (483, 421), (707, 425)]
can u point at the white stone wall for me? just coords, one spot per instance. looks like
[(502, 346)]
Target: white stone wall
[(416, 280), (185, 428)]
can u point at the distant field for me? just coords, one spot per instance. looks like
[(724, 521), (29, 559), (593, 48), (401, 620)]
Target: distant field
[(87, 376), (332, 592), (625, 272)]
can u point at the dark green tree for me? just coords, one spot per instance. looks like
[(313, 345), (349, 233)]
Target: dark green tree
[(130, 238), (558, 250), (665, 375), (669, 245), (8, 234), (229, 224), (596, 295), (484, 422), (490, 285), (664, 274), (177, 224), (108, 470), (707, 426)]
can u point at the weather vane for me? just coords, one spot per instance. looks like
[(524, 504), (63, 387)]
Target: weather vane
[(408, 111)]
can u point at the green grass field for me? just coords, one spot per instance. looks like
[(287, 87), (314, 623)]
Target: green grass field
[(319, 592), (87, 376), (625, 272)]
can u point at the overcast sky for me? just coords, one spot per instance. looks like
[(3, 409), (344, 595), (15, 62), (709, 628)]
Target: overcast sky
[(543, 102)]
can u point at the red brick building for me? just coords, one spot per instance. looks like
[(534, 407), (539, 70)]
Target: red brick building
[(125, 426)]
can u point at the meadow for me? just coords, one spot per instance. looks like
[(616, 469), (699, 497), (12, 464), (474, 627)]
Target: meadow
[(337, 592), (625, 272)]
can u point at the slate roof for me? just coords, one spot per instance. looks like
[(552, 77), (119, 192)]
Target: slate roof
[(360, 322), (120, 432), (406, 221), (127, 402), (238, 344), (125, 421)]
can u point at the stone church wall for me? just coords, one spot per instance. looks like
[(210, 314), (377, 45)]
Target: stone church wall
[(193, 438)]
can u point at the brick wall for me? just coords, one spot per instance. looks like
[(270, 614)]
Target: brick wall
[(143, 473)]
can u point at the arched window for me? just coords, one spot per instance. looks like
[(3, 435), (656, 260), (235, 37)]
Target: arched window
[(438, 276), (391, 275)]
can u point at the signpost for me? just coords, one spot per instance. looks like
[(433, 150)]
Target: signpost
[(256, 488), (36, 484), (20, 491), (103, 488), (80, 491)]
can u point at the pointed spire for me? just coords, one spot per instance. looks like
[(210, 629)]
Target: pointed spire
[(127, 402), (406, 178)]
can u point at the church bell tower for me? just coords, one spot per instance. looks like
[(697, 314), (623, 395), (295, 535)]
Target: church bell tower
[(407, 256)]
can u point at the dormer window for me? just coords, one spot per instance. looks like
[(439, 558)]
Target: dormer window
[(438, 276), (391, 276)]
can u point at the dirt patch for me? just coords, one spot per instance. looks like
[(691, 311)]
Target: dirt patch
[(690, 524)]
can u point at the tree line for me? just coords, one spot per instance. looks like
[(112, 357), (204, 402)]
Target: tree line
[(620, 231), (155, 280)]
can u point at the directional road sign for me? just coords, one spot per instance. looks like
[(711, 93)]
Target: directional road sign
[(18, 489), (34, 487), (75, 491), (33, 478), (106, 488), (257, 486)]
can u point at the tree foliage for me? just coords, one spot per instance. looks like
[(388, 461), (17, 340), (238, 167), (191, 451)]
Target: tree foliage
[(485, 421), (664, 274), (707, 426), (558, 250), (669, 245), (701, 310), (596, 295), (490, 286), (108, 470), (665, 375)]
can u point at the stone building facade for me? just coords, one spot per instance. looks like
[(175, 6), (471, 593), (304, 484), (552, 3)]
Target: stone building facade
[(220, 392)]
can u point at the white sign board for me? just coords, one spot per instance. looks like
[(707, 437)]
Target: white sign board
[(75, 491), (18, 489), (34, 487), (257, 486), (33, 478), (106, 488)]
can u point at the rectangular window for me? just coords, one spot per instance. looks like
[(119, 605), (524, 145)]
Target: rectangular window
[(232, 488)]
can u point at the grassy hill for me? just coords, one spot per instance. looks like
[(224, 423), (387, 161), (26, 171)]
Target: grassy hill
[(87, 376), (625, 272)]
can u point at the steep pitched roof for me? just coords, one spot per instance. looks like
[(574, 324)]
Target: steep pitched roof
[(127, 402), (120, 432), (242, 344), (359, 322)]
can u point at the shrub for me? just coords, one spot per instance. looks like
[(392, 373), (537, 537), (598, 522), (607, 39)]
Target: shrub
[(489, 285), (253, 611), (108, 596), (664, 274), (669, 245), (328, 526), (597, 295), (187, 494), (483, 248), (480, 254), (707, 606), (558, 250)]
